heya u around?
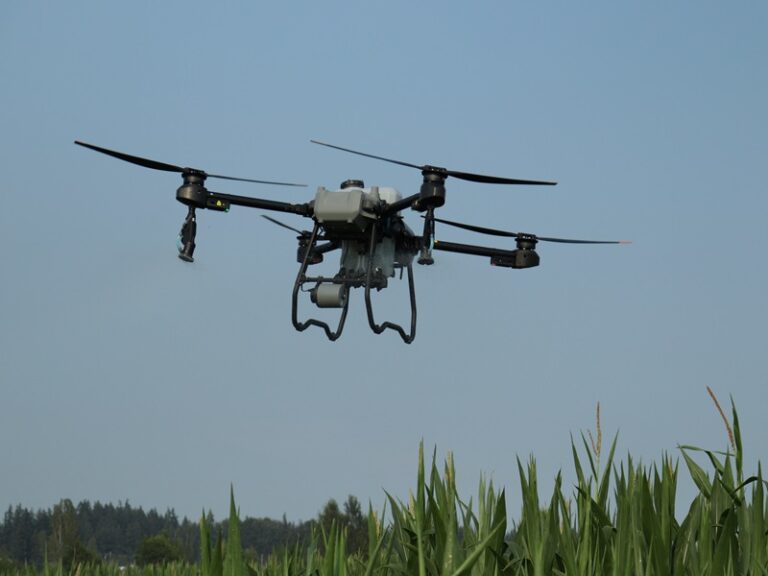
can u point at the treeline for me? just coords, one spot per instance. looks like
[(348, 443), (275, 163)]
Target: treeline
[(97, 532)]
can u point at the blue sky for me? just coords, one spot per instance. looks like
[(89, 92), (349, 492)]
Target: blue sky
[(127, 375)]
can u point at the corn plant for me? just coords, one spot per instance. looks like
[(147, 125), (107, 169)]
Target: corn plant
[(618, 520)]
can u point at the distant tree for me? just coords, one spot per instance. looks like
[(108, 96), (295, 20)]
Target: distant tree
[(19, 542), (356, 524), (76, 554), (331, 515), (7, 565), (158, 549), (188, 537), (115, 532), (63, 542), (84, 522), (108, 532), (64, 533), (262, 536), (351, 520)]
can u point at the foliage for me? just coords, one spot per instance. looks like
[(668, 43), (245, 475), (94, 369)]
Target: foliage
[(76, 554), (114, 532), (158, 549), (619, 520), (351, 520), (64, 536), (7, 565)]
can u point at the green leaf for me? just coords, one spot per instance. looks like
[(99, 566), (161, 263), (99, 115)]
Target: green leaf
[(698, 475), (233, 559), (479, 549)]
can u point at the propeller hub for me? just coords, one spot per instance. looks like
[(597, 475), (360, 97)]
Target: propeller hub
[(352, 183), (526, 241), (194, 172), (436, 170)]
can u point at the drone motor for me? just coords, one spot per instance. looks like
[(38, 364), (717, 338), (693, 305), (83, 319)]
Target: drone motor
[(524, 257)]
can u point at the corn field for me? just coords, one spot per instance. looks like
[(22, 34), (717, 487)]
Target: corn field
[(619, 519)]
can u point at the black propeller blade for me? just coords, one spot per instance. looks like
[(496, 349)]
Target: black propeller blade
[(444, 171), (155, 165), (495, 232), (302, 233)]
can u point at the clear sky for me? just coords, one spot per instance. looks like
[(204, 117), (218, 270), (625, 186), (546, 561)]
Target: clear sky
[(126, 374)]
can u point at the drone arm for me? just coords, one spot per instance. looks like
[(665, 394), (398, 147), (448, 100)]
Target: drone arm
[(327, 247), (470, 249), (524, 257), (395, 207), (301, 209)]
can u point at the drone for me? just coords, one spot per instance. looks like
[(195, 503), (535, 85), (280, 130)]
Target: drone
[(365, 223)]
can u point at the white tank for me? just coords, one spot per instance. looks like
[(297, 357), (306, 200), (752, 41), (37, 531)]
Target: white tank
[(388, 194), (351, 206)]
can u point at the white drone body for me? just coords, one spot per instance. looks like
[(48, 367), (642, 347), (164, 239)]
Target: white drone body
[(364, 223), (352, 210)]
